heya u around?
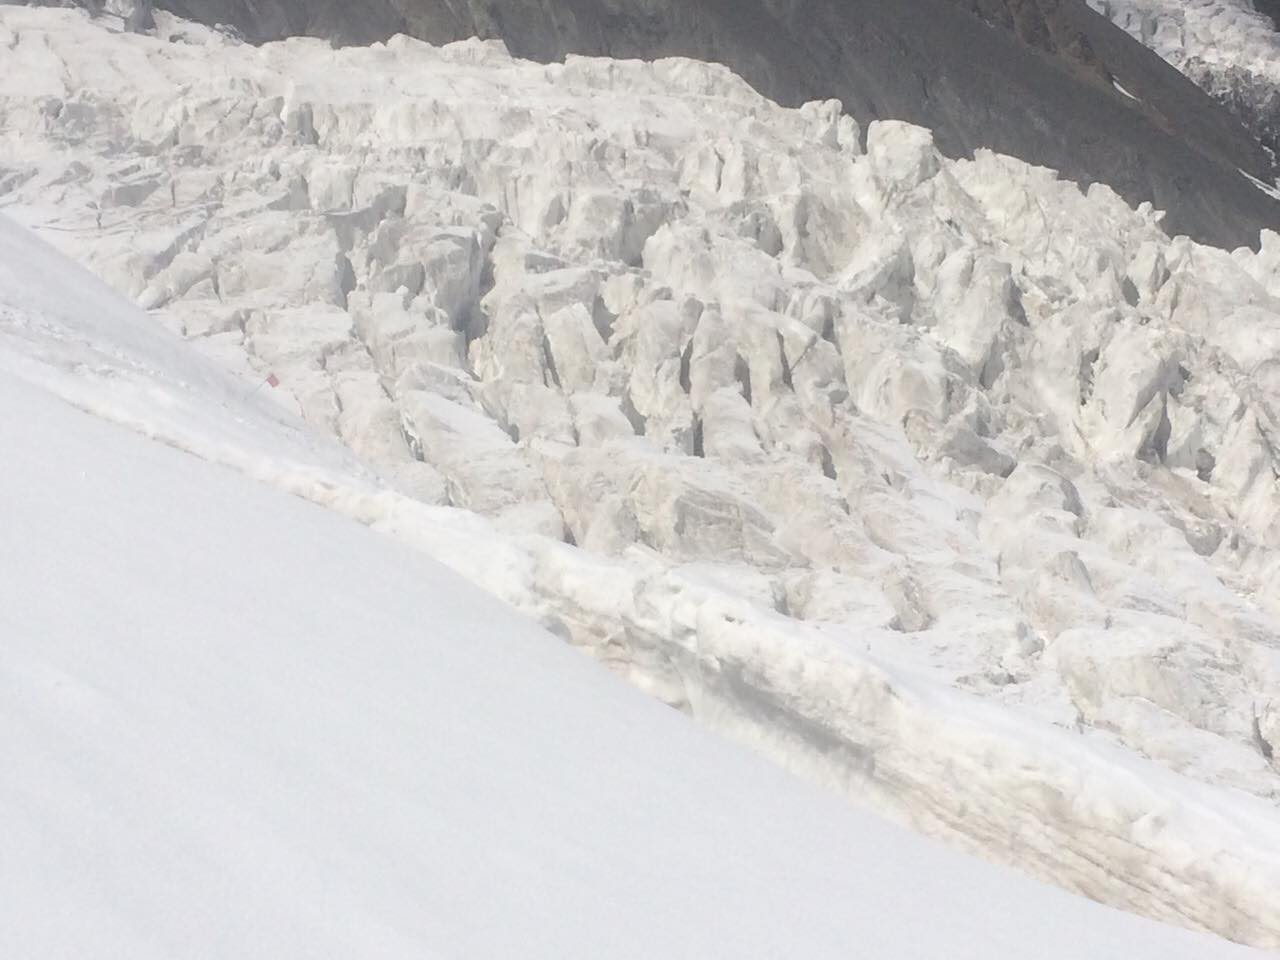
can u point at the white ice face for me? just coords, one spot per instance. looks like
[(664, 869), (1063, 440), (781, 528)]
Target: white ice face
[(948, 483)]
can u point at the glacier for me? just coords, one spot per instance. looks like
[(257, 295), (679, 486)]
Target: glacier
[(946, 484), (239, 725)]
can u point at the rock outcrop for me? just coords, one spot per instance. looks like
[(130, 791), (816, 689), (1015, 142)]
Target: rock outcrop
[(1230, 48)]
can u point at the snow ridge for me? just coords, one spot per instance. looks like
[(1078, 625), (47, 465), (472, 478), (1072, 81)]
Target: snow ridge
[(946, 483)]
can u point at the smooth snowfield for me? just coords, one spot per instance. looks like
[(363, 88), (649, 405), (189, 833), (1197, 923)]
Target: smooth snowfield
[(238, 725)]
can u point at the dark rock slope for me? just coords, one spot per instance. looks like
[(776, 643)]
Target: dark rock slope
[(1035, 78), (1270, 8)]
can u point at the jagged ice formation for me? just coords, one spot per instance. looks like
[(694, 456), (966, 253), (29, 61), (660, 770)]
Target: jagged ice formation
[(1049, 81)]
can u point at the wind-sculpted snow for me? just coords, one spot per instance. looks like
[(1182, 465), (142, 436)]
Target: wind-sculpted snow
[(1227, 47), (942, 482)]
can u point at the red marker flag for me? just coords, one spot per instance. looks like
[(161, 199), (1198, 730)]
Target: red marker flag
[(273, 381)]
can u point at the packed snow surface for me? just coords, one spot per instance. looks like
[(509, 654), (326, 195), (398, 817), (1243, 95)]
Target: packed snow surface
[(946, 484)]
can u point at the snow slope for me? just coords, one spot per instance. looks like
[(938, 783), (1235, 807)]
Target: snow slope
[(947, 485), (239, 725)]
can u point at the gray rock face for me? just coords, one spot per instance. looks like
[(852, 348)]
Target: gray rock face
[(134, 15), (1269, 8), (1031, 78), (1254, 99), (1229, 48)]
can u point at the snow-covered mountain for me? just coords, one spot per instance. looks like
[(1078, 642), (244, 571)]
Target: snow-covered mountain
[(236, 724), (947, 484), (1231, 48), (1048, 81)]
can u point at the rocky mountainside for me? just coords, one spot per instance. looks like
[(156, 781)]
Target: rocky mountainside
[(1231, 48), (1269, 9), (1048, 81), (944, 482)]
